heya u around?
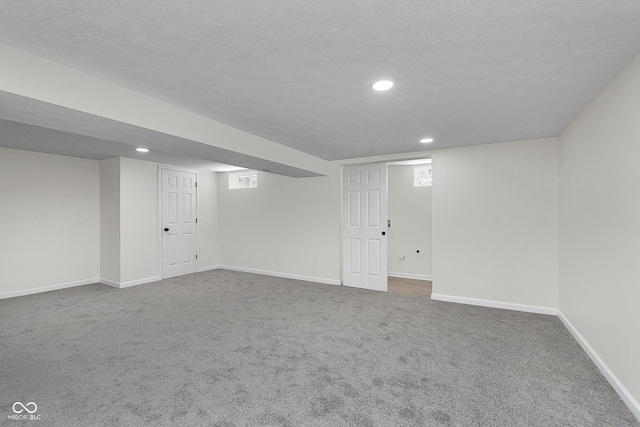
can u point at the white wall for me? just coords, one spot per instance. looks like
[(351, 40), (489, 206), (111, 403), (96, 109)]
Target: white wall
[(495, 222), (132, 227), (76, 221), (495, 210), (600, 227), (495, 204), (208, 219), (410, 215), (287, 225), (110, 220), (139, 221), (50, 211)]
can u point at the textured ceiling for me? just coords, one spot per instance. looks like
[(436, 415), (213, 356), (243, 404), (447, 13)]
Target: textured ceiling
[(37, 126), (299, 73)]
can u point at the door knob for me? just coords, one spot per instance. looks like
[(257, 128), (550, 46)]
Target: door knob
[(384, 233), (166, 229)]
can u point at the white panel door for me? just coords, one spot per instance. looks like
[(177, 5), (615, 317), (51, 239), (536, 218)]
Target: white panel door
[(364, 219), (179, 229)]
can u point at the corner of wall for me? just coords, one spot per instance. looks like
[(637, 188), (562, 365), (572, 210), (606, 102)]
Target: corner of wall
[(110, 219)]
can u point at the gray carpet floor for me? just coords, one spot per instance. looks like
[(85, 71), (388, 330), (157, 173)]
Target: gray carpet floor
[(227, 348)]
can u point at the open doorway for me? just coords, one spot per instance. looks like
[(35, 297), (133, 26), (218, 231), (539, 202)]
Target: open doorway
[(409, 212)]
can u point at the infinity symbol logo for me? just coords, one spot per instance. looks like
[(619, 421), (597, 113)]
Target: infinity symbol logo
[(24, 407)]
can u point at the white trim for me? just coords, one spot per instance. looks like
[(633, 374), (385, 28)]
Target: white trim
[(31, 291), (409, 275), (496, 304), (617, 385), (160, 225), (130, 283), (110, 283), (208, 268), (283, 275), (140, 282)]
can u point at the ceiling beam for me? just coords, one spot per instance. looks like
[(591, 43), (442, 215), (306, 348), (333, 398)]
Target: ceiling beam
[(69, 92)]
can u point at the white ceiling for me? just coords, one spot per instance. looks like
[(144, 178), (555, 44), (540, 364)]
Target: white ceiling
[(300, 73), (33, 125)]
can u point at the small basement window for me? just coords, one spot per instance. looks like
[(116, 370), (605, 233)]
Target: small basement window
[(243, 179), (422, 176)]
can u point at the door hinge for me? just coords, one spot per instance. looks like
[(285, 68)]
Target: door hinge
[(196, 220), (196, 256), (196, 183)]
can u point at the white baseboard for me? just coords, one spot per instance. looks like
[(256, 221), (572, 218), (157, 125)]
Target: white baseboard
[(409, 275), (283, 275), (121, 285), (496, 304), (31, 291), (130, 283), (617, 385), (110, 283), (140, 282)]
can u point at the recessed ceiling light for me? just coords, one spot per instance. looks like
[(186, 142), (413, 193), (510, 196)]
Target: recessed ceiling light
[(426, 140), (142, 150), (382, 85)]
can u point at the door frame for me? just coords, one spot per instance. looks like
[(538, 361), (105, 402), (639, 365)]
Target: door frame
[(162, 167), (342, 207)]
